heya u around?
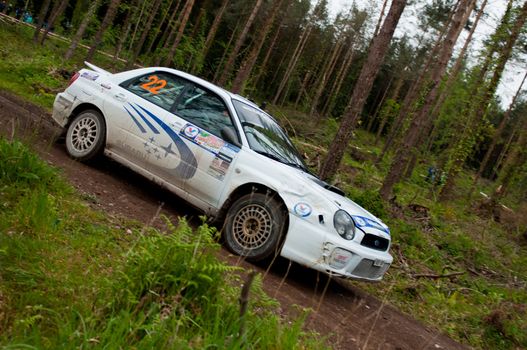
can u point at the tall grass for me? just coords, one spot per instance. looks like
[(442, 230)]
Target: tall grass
[(72, 278)]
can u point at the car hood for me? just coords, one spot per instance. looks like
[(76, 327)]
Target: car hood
[(333, 195)]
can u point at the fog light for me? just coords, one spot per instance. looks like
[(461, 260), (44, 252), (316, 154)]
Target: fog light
[(339, 258)]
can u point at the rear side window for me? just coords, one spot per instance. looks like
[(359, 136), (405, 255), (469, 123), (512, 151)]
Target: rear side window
[(205, 110), (160, 88)]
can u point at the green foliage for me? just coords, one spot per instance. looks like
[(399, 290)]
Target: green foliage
[(72, 278), (21, 167), (371, 201)]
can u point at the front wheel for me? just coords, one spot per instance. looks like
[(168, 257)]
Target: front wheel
[(254, 226), (86, 135)]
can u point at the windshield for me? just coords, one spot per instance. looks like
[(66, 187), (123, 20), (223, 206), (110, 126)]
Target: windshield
[(266, 137)]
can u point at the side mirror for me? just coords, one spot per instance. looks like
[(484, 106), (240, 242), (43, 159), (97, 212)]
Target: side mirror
[(230, 136)]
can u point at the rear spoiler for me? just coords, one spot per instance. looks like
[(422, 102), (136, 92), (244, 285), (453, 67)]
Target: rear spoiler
[(97, 69)]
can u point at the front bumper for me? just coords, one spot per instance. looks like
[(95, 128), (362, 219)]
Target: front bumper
[(315, 246)]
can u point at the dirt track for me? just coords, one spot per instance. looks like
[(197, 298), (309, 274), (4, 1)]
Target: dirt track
[(350, 318)]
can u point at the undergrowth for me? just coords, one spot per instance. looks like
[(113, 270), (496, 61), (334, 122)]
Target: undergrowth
[(71, 277)]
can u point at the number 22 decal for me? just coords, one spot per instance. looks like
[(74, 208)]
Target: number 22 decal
[(154, 85)]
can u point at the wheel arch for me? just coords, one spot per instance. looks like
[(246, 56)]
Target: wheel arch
[(252, 187), (81, 108)]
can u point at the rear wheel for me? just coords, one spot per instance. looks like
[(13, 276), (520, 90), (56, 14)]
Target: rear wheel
[(86, 135), (254, 226)]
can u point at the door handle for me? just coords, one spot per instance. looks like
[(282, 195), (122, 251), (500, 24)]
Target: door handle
[(120, 97)]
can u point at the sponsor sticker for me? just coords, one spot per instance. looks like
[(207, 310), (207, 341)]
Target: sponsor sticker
[(218, 168), (302, 209), (209, 141), (90, 76), (202, 138), (191, 131)]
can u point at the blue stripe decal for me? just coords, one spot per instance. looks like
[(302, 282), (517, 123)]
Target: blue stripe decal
[(361, 221), (135, 121), (188, 165), (153, 128)]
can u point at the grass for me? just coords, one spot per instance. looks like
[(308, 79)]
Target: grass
[(72, 277), (46, 229)]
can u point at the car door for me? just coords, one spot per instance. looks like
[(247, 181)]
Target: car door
[(153, 144), (207, 118)]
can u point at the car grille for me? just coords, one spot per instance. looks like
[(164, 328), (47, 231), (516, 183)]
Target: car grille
[(365, 269), (375, 242)]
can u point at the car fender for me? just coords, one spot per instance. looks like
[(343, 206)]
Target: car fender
[(293, 190)]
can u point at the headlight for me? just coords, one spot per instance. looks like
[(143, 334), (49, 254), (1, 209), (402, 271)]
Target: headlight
[(344, 225)]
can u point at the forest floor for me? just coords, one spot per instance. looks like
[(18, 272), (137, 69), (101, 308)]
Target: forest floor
[(349, 317)]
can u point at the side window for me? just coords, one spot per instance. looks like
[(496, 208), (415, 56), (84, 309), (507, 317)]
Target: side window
[(204, 109), (160, 88)]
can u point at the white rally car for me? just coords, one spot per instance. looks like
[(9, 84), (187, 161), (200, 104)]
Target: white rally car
[(227, 157)]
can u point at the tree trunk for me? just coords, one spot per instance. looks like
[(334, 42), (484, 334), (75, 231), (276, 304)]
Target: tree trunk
[(458, 65), (158, 28), (408, 104), (57, 11), (137, 23), (303, 88), (327, 71), (478, 114), (82, 28), (394, 97), (41, 17), (379, 105), (249, 61), (106, 22), (292, 63), (263, 65), (170, 30), (212, 31), (181, 30), (498, 132), (337, 84), (443, 93), (144, 35), (381, 16), (127, 26), (516, 157), (197, 23), (420, 119), (229, 65), (503, 153), (378, 49), (225, 52)]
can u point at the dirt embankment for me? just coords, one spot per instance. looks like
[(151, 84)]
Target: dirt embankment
[(349, 318)]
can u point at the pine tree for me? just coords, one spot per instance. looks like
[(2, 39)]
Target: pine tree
[(41, 17), (182, 24), (227, 68), (378, 49), (82, 28), (477, 114), (106, 22), (421, 117), (146, 31), (212, 32), (248, 63)]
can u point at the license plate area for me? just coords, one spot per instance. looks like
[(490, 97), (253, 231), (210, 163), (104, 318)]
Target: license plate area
[(378, 263)]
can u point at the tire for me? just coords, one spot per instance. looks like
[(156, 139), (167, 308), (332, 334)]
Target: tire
[(254, 226), (86, 135)]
